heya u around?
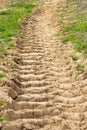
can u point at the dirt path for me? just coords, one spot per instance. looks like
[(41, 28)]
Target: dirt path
[(47, 94)]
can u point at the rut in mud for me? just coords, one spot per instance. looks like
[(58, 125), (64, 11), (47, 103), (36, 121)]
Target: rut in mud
[(47, 95)]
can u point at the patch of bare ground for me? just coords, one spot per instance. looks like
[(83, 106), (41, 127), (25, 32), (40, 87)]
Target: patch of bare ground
[(3, 3), (45, 92)]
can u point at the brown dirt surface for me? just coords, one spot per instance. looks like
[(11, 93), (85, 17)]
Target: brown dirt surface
[(44, 92), (3, 3)]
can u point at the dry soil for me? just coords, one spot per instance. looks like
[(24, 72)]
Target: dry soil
[(45, 91)]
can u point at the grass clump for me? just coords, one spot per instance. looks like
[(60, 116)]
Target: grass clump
[(3, 118), (25, 5), (74, 57), (11, 45), (1, 103), (3, 49), (2, 75), (80, 69)]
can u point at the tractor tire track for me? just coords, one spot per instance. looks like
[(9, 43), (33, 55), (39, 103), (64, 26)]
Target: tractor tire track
[(44, 89)]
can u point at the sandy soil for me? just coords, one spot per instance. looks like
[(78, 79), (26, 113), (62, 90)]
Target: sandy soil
[(45, 92)]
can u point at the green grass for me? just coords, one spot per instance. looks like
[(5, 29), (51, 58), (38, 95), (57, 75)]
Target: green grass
[(10, 22), (75, 32)]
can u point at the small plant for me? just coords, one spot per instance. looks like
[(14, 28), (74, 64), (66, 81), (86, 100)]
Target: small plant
[(24, 5), (12, 67), (2, 75), (74, 57), (4, 12), (3, 49), (11, 45), (80, 69), (1, 103), (3, 118), (2, 59), (7, 107)]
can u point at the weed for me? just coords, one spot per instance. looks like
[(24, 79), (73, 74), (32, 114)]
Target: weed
[(11, 45), (80, 69), (12, 67), (4, 12), (1, 103), (3, 49), (2, 75), (2, 59), (7, 107), (3, 118), (24, 5), (74, 57)]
